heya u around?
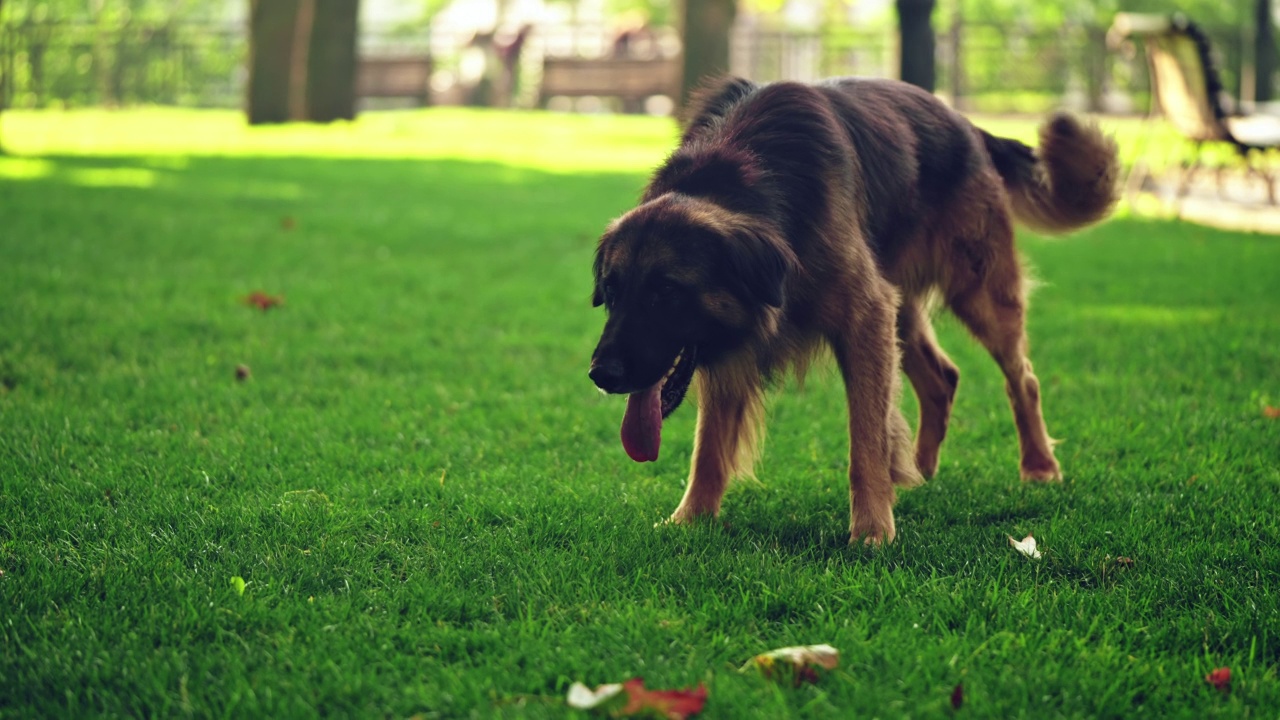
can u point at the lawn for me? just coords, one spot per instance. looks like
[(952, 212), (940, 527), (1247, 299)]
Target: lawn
[(427, 500)]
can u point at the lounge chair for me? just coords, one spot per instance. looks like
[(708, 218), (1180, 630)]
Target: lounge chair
[(1188, 93)]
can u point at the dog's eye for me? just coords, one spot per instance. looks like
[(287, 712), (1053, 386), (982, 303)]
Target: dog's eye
[(666, 291)]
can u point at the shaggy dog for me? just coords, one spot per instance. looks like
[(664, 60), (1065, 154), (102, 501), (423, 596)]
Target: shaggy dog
[(794, 216)]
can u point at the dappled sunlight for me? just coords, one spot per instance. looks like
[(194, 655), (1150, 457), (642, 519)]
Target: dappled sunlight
[(16, 168), (163, 172), (111, 177), (544, 141), (1157, 315)]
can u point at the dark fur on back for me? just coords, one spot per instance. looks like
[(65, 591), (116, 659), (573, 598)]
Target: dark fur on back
[(910, 151)]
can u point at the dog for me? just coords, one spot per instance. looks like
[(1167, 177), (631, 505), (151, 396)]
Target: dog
[(794, 217)]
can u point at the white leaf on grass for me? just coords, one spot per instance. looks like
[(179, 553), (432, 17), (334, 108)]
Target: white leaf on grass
[(796, 664), (823, 656), (584, 698), (1026, 546)]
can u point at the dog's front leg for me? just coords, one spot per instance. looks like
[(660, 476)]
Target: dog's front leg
[(728, 405), (868, 358)]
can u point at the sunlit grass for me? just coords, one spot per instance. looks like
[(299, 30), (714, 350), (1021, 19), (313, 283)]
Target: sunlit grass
[(551, 142)]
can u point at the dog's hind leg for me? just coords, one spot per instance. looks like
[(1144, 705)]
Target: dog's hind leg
[(933, 377), (727, 439), (879, 440), (993, 306)]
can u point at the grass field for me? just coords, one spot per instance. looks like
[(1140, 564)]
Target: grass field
[(428, 501)]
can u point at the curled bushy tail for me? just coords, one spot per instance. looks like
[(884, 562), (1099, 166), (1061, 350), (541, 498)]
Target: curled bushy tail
[(1070, 182)]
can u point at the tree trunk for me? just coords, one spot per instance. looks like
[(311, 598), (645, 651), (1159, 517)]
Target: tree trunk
[(4, 78), (331, 68), (705, 37), (1265, 59), (302, 60), (272, 37), (915, 32)]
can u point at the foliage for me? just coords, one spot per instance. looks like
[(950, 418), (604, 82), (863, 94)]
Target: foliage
[(120, 51), (1055, 13), (469, 539), (109, 11)]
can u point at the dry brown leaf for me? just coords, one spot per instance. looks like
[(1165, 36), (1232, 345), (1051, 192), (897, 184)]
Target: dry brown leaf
[(262, 300), (632, 698), (1220, 678)]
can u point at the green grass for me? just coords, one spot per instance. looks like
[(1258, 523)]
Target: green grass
[(428, 500)]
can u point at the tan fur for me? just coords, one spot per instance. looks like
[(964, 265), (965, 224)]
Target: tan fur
[(852, 310), (1075, 183)]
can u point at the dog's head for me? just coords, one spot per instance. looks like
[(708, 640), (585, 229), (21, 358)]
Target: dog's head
[(685, 282)]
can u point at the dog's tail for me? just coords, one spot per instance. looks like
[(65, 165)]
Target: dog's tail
[(1070, 182)]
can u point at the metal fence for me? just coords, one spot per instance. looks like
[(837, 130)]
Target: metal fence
[(980, 67), (72, 64)]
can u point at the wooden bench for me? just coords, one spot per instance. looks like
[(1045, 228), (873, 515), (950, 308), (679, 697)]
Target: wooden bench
[(400, 76), (631, 80)]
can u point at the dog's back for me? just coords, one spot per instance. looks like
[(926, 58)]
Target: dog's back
[(914, 158)]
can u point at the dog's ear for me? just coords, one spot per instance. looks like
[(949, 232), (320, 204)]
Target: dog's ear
[(760, 263), (597, 266)]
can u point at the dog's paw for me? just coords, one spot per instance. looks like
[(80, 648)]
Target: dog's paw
[(1042, 472), (687, 516), (927, 462), (873, 531)]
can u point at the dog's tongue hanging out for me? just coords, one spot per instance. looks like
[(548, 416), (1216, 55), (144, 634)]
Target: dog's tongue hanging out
[(642, 425)]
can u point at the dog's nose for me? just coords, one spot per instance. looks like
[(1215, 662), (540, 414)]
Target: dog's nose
[(607, 374)]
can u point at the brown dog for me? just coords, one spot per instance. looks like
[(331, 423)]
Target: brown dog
[(794, 216)]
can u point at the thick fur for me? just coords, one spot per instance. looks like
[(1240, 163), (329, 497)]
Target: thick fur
[(795, 217)]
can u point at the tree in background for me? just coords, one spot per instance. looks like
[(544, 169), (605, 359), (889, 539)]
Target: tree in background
[(302, 60), (704, 34), (1264, 52), (916, 43), (3, 80), (272, 73), (331, 61)]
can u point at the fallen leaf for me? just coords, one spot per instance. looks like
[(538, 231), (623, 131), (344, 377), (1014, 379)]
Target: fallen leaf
[(584, 698), (1124, 561), (671, 704), (238, 584), (1271, 412), (632, 698), (957, 697), (1026, 546), (797, 664), (262, 301), (1220, 678), (242, 372)]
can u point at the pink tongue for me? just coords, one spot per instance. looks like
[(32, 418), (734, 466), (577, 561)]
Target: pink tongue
[(642, 425)]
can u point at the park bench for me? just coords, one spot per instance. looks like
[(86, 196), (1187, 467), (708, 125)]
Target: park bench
[(395, 76), (1188, 93), (631, 80)]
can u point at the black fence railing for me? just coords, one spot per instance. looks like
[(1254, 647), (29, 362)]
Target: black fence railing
[(77, 64), (980, 66)]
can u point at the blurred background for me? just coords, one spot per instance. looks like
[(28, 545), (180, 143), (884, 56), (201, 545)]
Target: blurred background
[(327, 59)]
